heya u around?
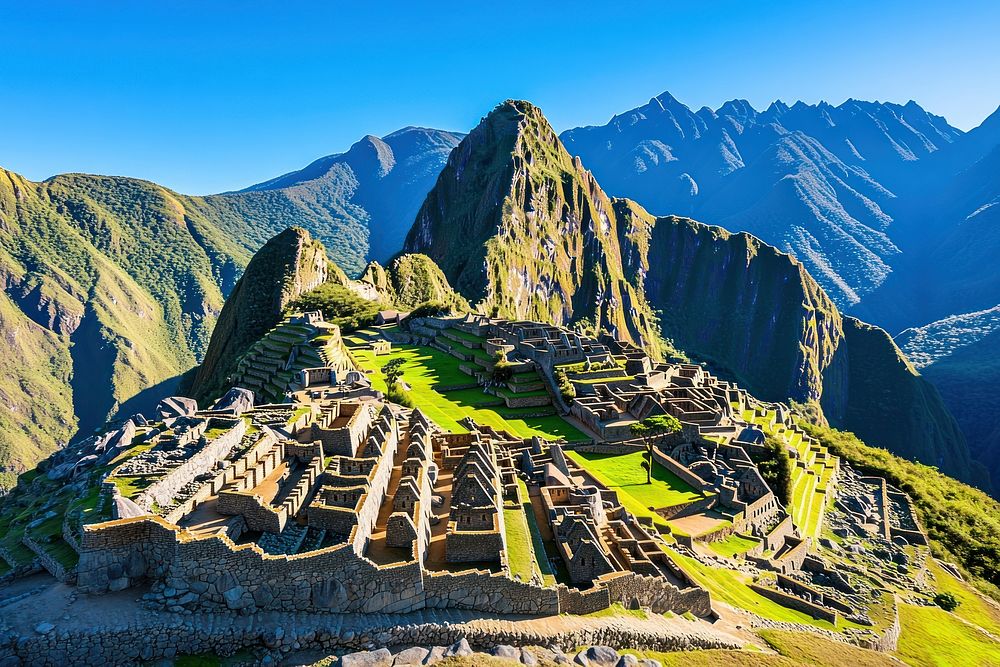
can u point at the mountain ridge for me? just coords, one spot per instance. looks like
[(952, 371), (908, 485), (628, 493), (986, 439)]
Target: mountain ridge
[(498, 207)]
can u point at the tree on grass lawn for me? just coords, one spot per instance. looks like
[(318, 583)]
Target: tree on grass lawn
[(392, 372), (650, 430)]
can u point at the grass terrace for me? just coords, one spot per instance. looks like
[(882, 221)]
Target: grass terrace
[(429, 372), (932, 636), (733, 545), (624, 474)]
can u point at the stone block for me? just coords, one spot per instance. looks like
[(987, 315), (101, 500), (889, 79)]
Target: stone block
[(411, 656), (378, 658)]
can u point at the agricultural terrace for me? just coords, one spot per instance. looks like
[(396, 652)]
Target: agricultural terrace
[(446, 394), (624, 473), (812, 473)]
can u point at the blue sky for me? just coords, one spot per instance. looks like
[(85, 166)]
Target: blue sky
[(209, 96)]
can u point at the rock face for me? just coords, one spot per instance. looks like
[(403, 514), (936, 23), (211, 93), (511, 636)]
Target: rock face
[(522, 230), (288, 265)]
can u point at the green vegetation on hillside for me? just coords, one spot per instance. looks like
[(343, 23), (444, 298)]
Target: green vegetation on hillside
[(340, 305), (932, 636), (962, 522), (776, 468)]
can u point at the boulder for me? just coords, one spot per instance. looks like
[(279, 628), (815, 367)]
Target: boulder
[(528, 658), (602, 656), (236, 400), (435, 655), (506, 651), (411, 656), (377, 658), (176, 406), (628, 661), (459, 648)]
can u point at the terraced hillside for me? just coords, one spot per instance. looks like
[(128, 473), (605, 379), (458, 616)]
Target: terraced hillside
[(813, 475)]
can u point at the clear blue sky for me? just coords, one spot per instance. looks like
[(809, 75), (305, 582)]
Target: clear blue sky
[(209, 96)]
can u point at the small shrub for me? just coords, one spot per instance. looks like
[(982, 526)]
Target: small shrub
[(946, 601)]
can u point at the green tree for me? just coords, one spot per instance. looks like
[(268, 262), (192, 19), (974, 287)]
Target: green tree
[(393, 372), (650, 430)]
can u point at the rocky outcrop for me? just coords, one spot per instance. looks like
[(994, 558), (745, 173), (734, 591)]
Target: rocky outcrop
[(288, 265), (410, 280)]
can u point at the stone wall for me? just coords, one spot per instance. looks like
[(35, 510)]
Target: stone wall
[(495, 593), (177, 635), (257, 514), (163, 490), (54, 567), (575, 601), (797, 603), (630, 589), (473, 546), (678, 469)]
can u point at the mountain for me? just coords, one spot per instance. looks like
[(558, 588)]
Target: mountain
[(409, 281), (951, 237), (523, 230), (288, 265), (961, 356), (816, 181), (360, 204), (111, 286)]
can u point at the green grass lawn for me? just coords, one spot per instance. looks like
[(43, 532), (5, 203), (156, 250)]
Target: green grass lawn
[(932, 636), (732, 545), (624, 473), (519, 548), (537, 543), (972, 607), (426, 370)]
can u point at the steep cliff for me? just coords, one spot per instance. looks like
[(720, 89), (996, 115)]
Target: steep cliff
[(288, 265), (522, 230)]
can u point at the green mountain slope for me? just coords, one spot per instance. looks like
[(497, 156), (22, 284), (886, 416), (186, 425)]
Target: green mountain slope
[(960, 355), (111, 286), (523, 230), (411, 280), (288, 265)]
